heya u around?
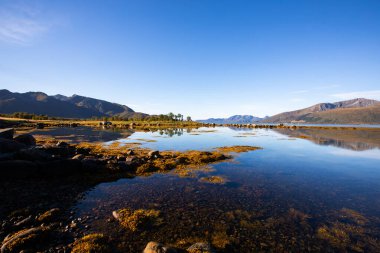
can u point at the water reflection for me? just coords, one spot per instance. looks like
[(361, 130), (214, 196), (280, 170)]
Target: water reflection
[(358, 140)]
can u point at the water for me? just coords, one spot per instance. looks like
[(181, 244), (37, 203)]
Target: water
[(319, 193)]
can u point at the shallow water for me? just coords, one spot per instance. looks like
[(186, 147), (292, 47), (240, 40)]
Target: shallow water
[(276, 199)]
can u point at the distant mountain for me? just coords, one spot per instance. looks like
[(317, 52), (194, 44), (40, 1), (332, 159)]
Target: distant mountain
[(236, 119), (61, 106), (354, 111)]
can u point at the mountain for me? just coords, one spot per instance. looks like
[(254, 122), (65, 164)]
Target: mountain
[(354, 111), (236, 119), (61, 106)]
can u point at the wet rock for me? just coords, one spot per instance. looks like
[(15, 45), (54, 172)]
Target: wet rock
[(49, 216), (78, 157), (154, 154), (25, 239), (7, 146), (32, 154), (155, 247), (200, 247), (62, 144), (26, 139), (7, 133)]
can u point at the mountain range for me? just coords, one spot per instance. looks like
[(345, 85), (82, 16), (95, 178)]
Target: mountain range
[(74, 106), (236, 119), (354, 111)]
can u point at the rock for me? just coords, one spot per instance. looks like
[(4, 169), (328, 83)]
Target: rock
[(18, 241), (154, 154), (155, 247), (26, 139), (78, 157), (32, 154), (50, 215), (7, 146), (62, 144), (7, 133), (200, 247), (130, 152)]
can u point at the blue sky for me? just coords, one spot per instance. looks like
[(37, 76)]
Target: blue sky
[(200, 58)]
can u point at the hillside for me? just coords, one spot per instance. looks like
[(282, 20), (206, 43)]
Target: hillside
[(236, 119), (355, 111), (61, 106)]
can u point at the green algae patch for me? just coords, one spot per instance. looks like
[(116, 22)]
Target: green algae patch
[(137, 219), (214, 180), (92, 243), (237, 149)]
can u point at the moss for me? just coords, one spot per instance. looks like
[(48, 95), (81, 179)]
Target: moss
[(335, 235), (137, 219), (214, 180), (92, 243), (237, 149), (353, 216)]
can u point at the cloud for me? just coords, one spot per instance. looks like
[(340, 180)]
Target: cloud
[(21, 24), (372, 94)]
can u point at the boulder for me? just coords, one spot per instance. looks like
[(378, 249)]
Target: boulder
[(7, 133), (32, 154), (7, 145), (26, 139), (156, 247)]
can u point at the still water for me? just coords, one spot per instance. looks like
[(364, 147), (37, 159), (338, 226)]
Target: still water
[(314, 190)]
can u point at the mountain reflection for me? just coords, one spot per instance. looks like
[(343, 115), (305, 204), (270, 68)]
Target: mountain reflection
[(357, 140)]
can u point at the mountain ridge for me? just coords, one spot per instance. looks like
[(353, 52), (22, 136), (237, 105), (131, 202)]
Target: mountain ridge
[(353, 111), (75, 106)]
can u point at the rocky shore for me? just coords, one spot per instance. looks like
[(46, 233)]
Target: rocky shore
[(41, 179)]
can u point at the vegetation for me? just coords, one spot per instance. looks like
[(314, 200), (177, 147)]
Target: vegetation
[(92, 243), (137, 219)]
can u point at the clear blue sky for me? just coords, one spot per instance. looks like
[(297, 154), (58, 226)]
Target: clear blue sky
[(201, 58)]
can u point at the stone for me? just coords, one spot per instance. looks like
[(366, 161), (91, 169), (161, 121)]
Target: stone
[(49, 216), (33, 154), (78, 157), (62, 144), (154, 154), (26, 139), (7, 133), (200, 247), (7, 145), (155, 247)]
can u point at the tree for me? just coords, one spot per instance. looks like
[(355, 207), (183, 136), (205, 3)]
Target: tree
[(188, 118)]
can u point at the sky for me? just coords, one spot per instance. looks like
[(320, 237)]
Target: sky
[(203, 58)]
